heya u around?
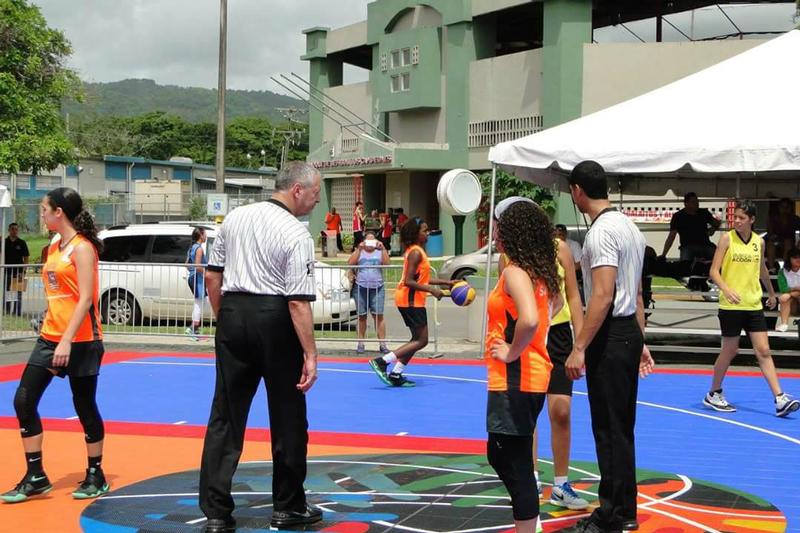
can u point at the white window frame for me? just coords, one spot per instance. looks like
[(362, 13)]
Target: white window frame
[(401, 82)]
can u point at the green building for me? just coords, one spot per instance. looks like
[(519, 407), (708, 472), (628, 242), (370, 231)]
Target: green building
[(448, 79)]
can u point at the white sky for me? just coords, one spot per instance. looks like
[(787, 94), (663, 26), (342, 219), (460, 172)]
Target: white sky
[(175, 41)]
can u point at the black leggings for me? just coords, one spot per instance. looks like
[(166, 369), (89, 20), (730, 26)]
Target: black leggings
[(32, 385), (512, 459)]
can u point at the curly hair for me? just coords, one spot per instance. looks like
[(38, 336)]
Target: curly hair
[(528, 239)]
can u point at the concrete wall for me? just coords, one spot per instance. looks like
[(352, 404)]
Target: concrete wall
[(505, 87), (613, 73), (418, 17), (398, 190), (346, 37), (357, 97), (92, 179), (481, 7)]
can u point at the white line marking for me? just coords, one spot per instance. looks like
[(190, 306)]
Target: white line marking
[(72, 418), (415, 530), (469, 380), (401, 434), (179, 423)]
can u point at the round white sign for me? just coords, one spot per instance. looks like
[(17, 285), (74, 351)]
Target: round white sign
[(459, 192)]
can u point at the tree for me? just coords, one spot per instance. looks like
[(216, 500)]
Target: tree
[(33, 81), (507, 185)]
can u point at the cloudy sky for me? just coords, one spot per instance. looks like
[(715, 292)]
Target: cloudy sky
[(175, 41)]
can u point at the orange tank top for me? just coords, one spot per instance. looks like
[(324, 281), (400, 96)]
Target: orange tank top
[(60, 279), (405, 296), (531, 372)]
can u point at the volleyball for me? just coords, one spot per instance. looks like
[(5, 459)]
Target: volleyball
[(462, 294)]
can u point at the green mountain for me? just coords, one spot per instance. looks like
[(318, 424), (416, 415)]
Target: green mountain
[(138, 96)]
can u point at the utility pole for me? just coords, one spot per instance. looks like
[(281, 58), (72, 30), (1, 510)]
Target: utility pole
[(223, 39)]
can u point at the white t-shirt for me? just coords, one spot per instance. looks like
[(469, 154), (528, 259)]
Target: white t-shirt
[(575, 248), (614, 240)]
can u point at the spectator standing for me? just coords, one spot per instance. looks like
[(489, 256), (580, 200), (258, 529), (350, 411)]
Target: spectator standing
[(260, 280), (781, 230), (386, 231), (16, 254), (694, 226), (370, 293), (574, 246), (402, 218), (333, 222), (789, 287), (373, 222), (610, 345), (358, 224), (196, 259)]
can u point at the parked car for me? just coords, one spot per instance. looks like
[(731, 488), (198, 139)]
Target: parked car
[(143, 276), (461, 266)]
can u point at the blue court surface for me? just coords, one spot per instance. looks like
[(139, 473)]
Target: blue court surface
[(751, 451)]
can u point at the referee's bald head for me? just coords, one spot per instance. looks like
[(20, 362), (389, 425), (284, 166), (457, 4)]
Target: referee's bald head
[(295, 172)]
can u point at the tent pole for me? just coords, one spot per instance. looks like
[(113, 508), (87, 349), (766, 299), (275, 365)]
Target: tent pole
[(489, 254)]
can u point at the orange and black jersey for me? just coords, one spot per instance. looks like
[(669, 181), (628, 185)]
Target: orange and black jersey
[(60, 279), (405, 296), (531, 372), (516, 389)]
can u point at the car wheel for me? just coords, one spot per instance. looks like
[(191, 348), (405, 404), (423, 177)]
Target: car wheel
[(119, 308), (463, 273)]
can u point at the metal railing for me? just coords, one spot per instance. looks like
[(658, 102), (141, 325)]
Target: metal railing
[(156, 299)]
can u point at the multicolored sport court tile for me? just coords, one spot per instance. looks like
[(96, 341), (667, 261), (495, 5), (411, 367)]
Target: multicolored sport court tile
[(401, 459)]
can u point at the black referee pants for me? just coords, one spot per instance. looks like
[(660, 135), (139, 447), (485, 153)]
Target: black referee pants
[(612, 379), (255, 339)]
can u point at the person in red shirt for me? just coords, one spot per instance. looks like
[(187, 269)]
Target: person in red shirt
[(386, 230), (402, 218), (333, 222), (358, 224)]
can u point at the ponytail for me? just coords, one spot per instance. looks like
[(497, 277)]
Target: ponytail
[(84, 225)]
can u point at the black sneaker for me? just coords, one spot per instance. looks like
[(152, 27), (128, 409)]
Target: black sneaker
[(93, 486), (220, 525), (586, 525), (281, 519), (31, 485), (399, 380), (379, 366)]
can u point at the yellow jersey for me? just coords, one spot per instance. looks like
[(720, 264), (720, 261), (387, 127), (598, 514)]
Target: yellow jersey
[(741, 271), (564, 315)]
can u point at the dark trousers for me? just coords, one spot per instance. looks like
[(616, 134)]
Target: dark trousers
[(255, 340), (612, 379), (12, 307), (339, 241)]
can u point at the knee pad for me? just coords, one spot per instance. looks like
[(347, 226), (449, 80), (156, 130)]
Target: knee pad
[(92, 422), (30, 424)]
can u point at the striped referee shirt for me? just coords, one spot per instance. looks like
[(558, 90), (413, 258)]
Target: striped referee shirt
[(263, 249), (613, 240)]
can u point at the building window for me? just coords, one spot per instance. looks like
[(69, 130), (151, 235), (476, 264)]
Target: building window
[(47, 183), (401, 82), (401, 57)]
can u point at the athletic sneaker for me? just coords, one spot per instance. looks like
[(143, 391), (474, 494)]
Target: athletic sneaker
[(717, 401), (565, 496), (785, 404), (93, 486), (781, 327), (399, 380), (31, 485), (192, 333), (379, 366), (360, 348), (384, 349)]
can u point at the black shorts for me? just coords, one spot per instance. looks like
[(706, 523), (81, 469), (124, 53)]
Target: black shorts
[(733, 321), (414, 317), (559, 346), (84, 359)]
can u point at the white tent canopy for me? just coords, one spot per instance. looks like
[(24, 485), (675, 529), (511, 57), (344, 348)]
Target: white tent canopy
[(736, 119)]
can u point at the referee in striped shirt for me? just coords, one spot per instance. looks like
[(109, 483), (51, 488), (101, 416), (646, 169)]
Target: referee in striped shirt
[(610, 346), (260, 281)]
